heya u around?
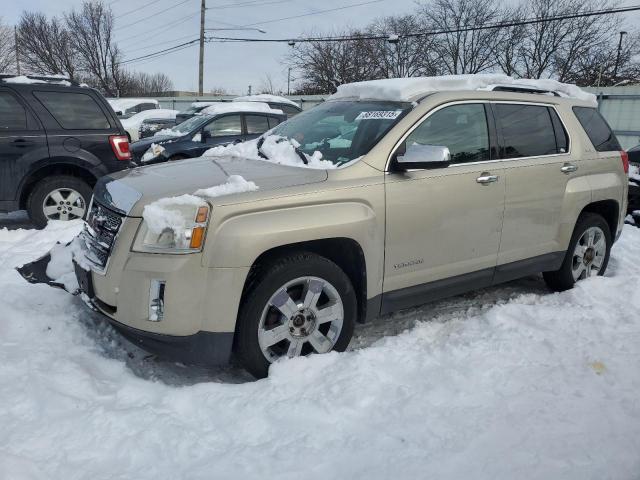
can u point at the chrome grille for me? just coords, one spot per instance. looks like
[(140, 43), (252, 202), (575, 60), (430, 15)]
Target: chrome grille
[(100, 233)]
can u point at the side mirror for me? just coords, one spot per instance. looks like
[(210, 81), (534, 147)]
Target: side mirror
[(416, 156)]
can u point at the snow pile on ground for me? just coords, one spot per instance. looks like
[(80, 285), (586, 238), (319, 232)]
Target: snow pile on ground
[(168, 213), (265, 97), (505, 383), (276, 148), (60, 268), (408, 89), (233, 107), (235, 184)]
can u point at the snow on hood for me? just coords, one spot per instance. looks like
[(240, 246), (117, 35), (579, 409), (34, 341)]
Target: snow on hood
[(276, 148), (408, 89), (165, 212), (265, 97), (232, 107)]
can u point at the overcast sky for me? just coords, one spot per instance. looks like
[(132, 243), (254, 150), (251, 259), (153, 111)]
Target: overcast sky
[(232, 66)]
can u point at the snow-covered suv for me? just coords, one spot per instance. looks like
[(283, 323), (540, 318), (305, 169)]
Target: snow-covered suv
[(391, 194)]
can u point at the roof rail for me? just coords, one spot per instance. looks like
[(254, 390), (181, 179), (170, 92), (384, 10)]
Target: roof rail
[(42, 78), (523, 89)]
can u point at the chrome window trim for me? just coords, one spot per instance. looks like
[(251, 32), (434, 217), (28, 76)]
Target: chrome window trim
[(482, 162)]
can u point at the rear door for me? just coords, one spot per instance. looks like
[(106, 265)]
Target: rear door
[(22, 143), (538, 163)]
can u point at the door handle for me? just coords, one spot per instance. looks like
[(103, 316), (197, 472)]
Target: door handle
[(485, 178), (21, 142), (568, 168)]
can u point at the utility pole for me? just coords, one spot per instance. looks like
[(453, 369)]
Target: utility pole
[(203, 8), (615, 68), (15, 41), (289, 81)]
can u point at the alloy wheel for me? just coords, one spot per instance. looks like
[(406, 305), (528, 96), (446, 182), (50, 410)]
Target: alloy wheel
[(64, 204), (589, 253)]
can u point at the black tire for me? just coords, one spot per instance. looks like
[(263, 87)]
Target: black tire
[(44, 187), (562, 279), (270, 278)]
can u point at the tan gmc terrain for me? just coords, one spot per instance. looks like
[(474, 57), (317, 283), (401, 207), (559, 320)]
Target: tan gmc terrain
[(420, 193)]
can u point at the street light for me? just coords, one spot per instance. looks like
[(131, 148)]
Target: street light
[(615, 68)]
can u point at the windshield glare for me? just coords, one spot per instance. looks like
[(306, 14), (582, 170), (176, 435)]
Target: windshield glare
[(342, 130), (189, 125)]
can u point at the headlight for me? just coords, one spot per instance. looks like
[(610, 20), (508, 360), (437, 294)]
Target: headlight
[(172, 226)]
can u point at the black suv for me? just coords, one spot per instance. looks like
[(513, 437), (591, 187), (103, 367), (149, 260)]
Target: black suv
[(56, 139)]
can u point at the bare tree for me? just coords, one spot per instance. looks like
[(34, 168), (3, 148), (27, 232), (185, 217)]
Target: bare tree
[(267, 85), (144, 84), (7, 48), (458, 50), (45, 45), (92, 38)]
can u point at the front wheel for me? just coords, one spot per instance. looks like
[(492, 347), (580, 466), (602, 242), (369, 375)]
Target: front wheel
[(302, 304), (588, 253)]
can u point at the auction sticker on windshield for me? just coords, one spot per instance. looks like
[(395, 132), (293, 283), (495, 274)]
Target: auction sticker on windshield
[(379, 115)]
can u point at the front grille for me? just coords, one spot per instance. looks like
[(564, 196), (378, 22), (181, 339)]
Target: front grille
[(100, 233)]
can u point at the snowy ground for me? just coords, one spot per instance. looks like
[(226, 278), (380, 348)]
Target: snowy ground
[(505, 383)]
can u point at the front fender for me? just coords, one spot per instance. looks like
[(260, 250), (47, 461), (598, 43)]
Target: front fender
[(239, 240)]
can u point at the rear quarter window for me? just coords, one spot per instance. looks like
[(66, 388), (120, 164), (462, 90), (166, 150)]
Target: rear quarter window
[(74, 110), (527, 130), (597, 129)]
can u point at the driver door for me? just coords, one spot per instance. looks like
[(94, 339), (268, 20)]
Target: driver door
[(223, 130), (443, 224)]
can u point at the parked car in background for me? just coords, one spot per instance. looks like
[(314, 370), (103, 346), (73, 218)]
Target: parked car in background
[(289, 107), (448, 184), (56, 139), (194, 109), (634, 183), (150, 126), (219, 124), (126, 107), (133, 123)]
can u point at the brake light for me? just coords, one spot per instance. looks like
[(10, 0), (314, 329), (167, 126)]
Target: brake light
[(625, 160), (120, 146)]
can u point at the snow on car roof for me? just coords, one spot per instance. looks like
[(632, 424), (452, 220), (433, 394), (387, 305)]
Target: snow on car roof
[(265, 97), (125, 103), (22, 79), (231, 107), (145, 114), (409, 89)]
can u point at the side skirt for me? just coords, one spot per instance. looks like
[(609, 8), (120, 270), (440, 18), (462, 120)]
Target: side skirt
[(448, 287)]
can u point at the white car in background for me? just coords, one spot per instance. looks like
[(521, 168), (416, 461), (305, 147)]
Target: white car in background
[(132, 124), (289, 107), (127, 107)]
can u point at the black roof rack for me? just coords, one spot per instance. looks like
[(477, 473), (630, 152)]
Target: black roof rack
[(42, 78), (523, 89)]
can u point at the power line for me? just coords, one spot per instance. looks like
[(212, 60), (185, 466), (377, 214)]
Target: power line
[(136, 9), (319, 12), (505, 24), (384, 37), (153, 45), (151, 16), (172, 23), (253, 3)]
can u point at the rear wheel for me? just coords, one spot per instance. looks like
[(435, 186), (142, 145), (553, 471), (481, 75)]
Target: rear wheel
[(302, 304), (58, 198), (588, 253)]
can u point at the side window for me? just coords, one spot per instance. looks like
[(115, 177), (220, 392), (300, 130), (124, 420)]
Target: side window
[(461, 128), (597, 129), (273, 121), (74, 111), (527, 130), (225, 126), (562, 139), (145, 106), (12, 114), (256, 124)]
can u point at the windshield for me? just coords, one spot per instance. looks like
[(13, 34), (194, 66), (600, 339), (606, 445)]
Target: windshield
[(342, 130), (190, 125)]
